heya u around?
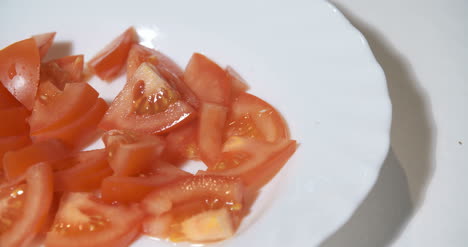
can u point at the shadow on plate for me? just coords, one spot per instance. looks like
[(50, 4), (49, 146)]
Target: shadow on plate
[(59, 49), (402, 182)]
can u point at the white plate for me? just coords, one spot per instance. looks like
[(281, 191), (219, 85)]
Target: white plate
[(302, 56)]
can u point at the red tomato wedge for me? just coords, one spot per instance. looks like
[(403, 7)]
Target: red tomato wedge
[(6, 99), (182, 144), (19, 70), (12, 143), (76, 100), (238, 85), (129, 153), (210, 132), (79, 133), (86, 171), (14, 121), (46, 94), (110, 61), (252, 117), (84, 221), (134, 189), (147, 104), (24, 207), (207, 80), (169, 70), (44, 42), (63, 70), (256, 162), (15, 163)]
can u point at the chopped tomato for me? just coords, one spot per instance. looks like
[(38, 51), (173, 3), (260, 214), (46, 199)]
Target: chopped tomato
[(14, 121), (256, 162), (238, 85), (134, 189), (210, 132), (181, 144), (19, 70), (44, 42), (207, 80), (6, 99), (211, 225), (84, 221), (147, 104), (75, 100), (130, 153), (86, 171), (24, 206), (169, 70), (255, 118), (63, 70), (12, 143), (79, 133), (15, 163), (110, 61)]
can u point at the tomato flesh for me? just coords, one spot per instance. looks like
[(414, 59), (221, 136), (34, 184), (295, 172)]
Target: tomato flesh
[(181, 144), (84, 221), (19, 70), (16, 163), (44, 42), (6, 99), (14, 122), (169, 70), (129, 153), (210, 133), (109, 62), (207, 80), (238, 85), (147, 104), (87, 168), (63, 70), (24, 207)]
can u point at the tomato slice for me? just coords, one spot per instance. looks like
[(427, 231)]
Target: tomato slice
[(6, 99), (210, 133), (252, 117), (134, 189), (44, 42), (79, 133), (256, 162), (64, 108), (14, 121), (147, 104), (19, 70), (84, 221), (129, 153), (63, 70), (24, 207), (88, 169), (207, 80), (110, 61), (12, 143), (181, 144), (15, 163), (238, 85), (169, 70)]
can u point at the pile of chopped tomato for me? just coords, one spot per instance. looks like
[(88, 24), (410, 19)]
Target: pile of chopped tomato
[(164, 116)]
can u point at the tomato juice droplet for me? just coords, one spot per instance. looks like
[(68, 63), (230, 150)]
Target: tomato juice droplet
[(12, 71)]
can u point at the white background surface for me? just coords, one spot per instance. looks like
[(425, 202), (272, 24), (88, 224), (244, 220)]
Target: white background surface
[(421, 196)]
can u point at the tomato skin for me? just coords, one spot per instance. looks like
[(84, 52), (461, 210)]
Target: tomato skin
[(165, 66), (44, 42), (39, 194), (121, 227), (86, 175), (14, 122), (207, 80), (19, 70), (12, 143), (79, 133), (108, 63), (6, 99), (16, 163), (210, 133), (64, 108)]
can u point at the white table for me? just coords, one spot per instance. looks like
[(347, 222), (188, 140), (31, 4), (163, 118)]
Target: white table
[(421, 196)]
